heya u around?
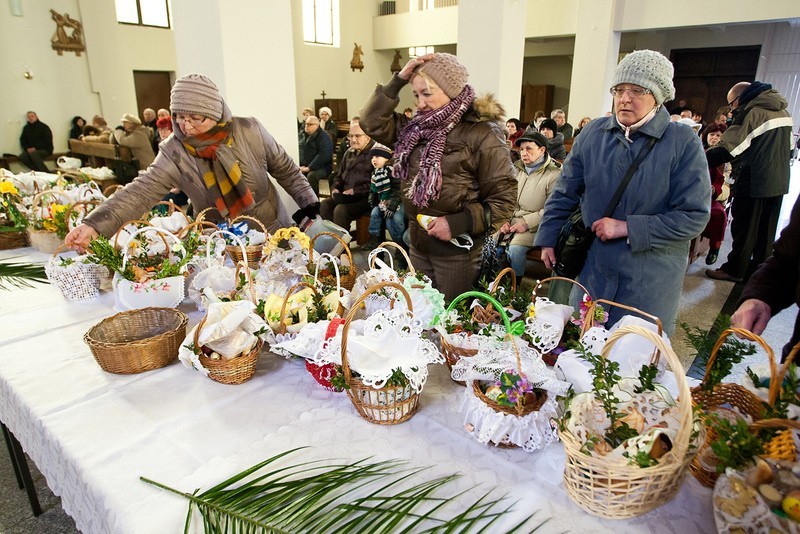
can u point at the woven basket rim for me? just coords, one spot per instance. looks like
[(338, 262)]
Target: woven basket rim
[(183, 319), (527, 409)]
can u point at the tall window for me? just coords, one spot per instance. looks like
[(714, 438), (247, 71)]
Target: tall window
[(415, 51), (321, 22), (143, 12)]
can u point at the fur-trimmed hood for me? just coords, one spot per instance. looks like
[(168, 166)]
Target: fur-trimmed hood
[(485, 107)]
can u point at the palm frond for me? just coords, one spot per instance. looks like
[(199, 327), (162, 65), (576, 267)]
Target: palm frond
[(20, 275), (362, 496)]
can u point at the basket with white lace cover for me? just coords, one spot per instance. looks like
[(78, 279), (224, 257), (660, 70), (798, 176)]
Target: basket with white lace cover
[(510, 399), (76, 279), (385, 365), (545, 320), (213, 278)]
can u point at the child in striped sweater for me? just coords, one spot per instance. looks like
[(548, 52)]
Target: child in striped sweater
[(385, 199)]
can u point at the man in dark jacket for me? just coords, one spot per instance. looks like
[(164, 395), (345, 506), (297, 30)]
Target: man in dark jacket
[(37, 143), (316, 153), (775, 285), (758, 142)]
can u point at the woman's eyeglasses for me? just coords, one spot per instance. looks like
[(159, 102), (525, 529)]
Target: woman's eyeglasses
[(194, 120), (635, 92)]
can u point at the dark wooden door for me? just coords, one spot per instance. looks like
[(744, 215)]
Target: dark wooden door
[(535, 98), (703, 76), (152, 90)]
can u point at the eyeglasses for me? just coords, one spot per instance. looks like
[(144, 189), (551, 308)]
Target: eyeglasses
[(732, 101), (194, 120), (635, 92), (355, 136)]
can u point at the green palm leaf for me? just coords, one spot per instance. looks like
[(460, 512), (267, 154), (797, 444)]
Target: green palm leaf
[(20, 275), (312, 497)]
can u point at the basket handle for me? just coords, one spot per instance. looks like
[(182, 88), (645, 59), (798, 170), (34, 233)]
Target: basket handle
[(784, 368), (210, 245), (133, 221), (201, 217), (502, 274), (111, 189), (160, 231), (345, 248), (335, 268), (183, 232), (775, 423), (587, 324), (774, 384), (292, 291), (348, 375), (248, 277), (84, 204), (391, 244), (249, 218), (61, 248), (196, 339), (684, 400), (171, 208), (541, 282), (373, 257)]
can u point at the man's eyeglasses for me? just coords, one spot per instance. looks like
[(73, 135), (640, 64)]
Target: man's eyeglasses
[(635, 92), (730, 104), (194, 120), (355, 136)]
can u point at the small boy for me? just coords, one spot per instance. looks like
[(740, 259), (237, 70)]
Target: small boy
[(385, 199)]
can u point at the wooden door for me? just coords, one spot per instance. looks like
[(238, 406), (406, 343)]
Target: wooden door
[(703, 76), (535, 98), (152, 90)]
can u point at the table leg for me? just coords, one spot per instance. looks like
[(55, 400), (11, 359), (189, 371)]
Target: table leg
[(21, 470)]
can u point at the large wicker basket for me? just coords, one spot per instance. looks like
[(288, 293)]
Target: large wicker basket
[(729, 395), (253, 252), (348, 280), (617, 490), (136, 341), (388, 405), (229, 370)]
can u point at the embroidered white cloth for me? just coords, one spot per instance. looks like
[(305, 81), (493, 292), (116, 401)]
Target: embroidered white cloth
[(547, 325), (390, 340)]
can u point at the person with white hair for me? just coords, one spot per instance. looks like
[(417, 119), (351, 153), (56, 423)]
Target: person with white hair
[(564, 128)]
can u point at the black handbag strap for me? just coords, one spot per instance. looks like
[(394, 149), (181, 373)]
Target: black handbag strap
[(626, 180)]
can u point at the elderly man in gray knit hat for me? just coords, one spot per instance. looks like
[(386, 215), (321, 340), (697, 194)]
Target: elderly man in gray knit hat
[(640, 230), (218, 160)]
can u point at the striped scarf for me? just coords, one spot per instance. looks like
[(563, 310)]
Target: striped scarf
[(223, 177), (429, 128)]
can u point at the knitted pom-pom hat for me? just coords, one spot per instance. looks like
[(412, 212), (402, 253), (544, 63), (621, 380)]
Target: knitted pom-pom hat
[(445, 70), (381, 150), (647, 69), (196, 94)]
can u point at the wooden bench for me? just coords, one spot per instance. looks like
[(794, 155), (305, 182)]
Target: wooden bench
[(100, 154), (7, 159)]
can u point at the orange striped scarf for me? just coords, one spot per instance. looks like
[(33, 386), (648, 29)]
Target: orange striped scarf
[(223, 177)]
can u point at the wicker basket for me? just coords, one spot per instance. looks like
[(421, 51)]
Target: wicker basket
[(229, 371), (253, 252), (490, 314), (616, 490), (347, 281), (10, 238), (782, 446), (549, 358), (136, 341), (724, 395), (453, 353), (78, 282), (388, 405), (44, 240)]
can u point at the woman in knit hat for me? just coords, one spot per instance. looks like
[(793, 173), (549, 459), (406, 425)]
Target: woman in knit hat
[(327, 124), (134, 135), (640, 252), (218, 160), (453, 163)]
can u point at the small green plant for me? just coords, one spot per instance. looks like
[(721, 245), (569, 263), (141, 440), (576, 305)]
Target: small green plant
[(736, 445), (730, 353), (647, 375)]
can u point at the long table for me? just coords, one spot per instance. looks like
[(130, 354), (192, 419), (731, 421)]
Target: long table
[(93, 434)]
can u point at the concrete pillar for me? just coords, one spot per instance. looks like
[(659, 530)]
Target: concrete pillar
[(247, 48), (596, 52), (491, 44)]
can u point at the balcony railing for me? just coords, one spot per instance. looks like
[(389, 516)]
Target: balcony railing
[(390, 7)]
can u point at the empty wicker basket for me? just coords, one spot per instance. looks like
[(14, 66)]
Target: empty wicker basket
[(139, 340)]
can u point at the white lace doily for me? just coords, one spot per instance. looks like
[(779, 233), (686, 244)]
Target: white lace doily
[(304, 344), (547, 325), (281, 263), (533, 431), (390, 340)]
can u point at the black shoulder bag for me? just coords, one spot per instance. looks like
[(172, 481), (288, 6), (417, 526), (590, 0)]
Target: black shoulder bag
[(574, 239)]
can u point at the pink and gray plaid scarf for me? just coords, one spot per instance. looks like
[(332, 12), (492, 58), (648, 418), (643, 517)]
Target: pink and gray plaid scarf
[(431, 129)]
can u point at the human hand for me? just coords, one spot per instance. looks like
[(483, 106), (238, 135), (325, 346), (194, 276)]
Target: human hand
[(387, 213), (335, 192), (440, 229), (608, 228), (80, 236), (412, 64), (348, 191), (549, 257), (505, 229), (304, 169), (30, 150), (519, 227), (752, 315)]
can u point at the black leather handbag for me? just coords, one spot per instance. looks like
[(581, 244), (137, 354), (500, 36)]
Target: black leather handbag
[(575, 239)]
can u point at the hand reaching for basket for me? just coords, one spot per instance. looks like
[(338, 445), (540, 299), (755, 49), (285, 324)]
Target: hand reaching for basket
[(79, 237)]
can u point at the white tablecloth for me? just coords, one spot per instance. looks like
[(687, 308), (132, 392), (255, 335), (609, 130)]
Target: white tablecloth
[(93, 434)]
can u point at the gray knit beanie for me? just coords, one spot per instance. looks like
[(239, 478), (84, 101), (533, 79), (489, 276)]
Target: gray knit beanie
[(445, 70), (648, 69), (196, 94)]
